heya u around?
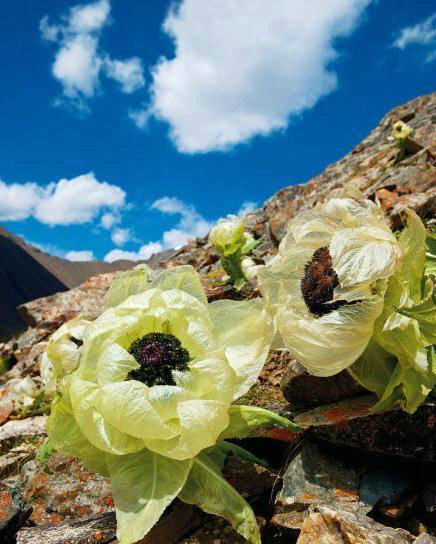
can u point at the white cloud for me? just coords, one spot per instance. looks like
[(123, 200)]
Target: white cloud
[(79, 61), (190, 225), (80, 255), (109, 219), (121, 236), (17, 201), (423, 33), (244, 68), (77, 200), (69, 201), (140, 117), (144, 253), (247, 207), (129, 73)]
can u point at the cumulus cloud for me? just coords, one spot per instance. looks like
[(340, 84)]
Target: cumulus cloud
[(17, 201), (144, 253), (247, 207), (80, 255), (110, 219), (79, 61), (129, 73), (121, 236), (69, 201), (423, 33), (245, 68), (191, 224)]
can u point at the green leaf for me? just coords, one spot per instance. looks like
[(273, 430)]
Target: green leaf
[(44, 454), (430, 258), (374, 368), (232, 265), (233, 449), (244, 420), (143, 485), (424, 312), (206, 488), (128, 283), (249, 245), (408, 388), (412, 243)]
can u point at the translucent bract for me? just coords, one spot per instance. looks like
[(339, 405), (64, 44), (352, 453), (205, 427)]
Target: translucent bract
[(148, 439), (362, 254)]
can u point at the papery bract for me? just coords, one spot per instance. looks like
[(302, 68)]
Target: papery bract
[(326, 286), (153, 439)]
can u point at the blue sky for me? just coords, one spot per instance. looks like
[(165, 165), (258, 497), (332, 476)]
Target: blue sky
[(127, 126)]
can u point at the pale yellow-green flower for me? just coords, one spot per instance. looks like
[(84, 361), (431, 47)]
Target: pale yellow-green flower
[(326, 286), (158, 371), (233, 244), (401, 131), (62, 353), (227, 236)]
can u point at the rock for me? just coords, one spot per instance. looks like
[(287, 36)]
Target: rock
[(352, 423), (248, 478), (89, 300), (70, 492), (383, 486), (13, 511), (101, 529), (287, 524), (302, 390), (215, 531), (334, 526), (319, 474), (12, 461), (19, 428), (97, 530), (425, 539), (429, 493)]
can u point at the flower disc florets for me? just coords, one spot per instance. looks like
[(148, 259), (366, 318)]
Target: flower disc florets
[(319, 282), (158, 355)]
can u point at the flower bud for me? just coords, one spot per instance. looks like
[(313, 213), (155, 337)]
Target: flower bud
[(249, 268), (227, 236)]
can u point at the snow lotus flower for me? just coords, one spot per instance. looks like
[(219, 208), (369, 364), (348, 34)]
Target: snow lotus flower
[(227, 236), (401, 131), (150, 402), (233, 244), (62, 353), (326, 286)]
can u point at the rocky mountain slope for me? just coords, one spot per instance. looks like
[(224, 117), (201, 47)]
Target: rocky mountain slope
[(352, 476), (27, 273)]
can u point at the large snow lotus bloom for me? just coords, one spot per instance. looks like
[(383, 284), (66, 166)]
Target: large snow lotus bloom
[(326, 286), (158, 372)]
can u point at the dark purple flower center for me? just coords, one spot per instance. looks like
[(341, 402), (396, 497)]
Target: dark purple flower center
[(158, 354), (318, 284)]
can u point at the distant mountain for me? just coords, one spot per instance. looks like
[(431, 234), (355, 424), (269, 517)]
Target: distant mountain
[(27, 273)]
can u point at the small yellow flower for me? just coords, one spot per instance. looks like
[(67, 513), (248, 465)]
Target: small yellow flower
[(401, 131)]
